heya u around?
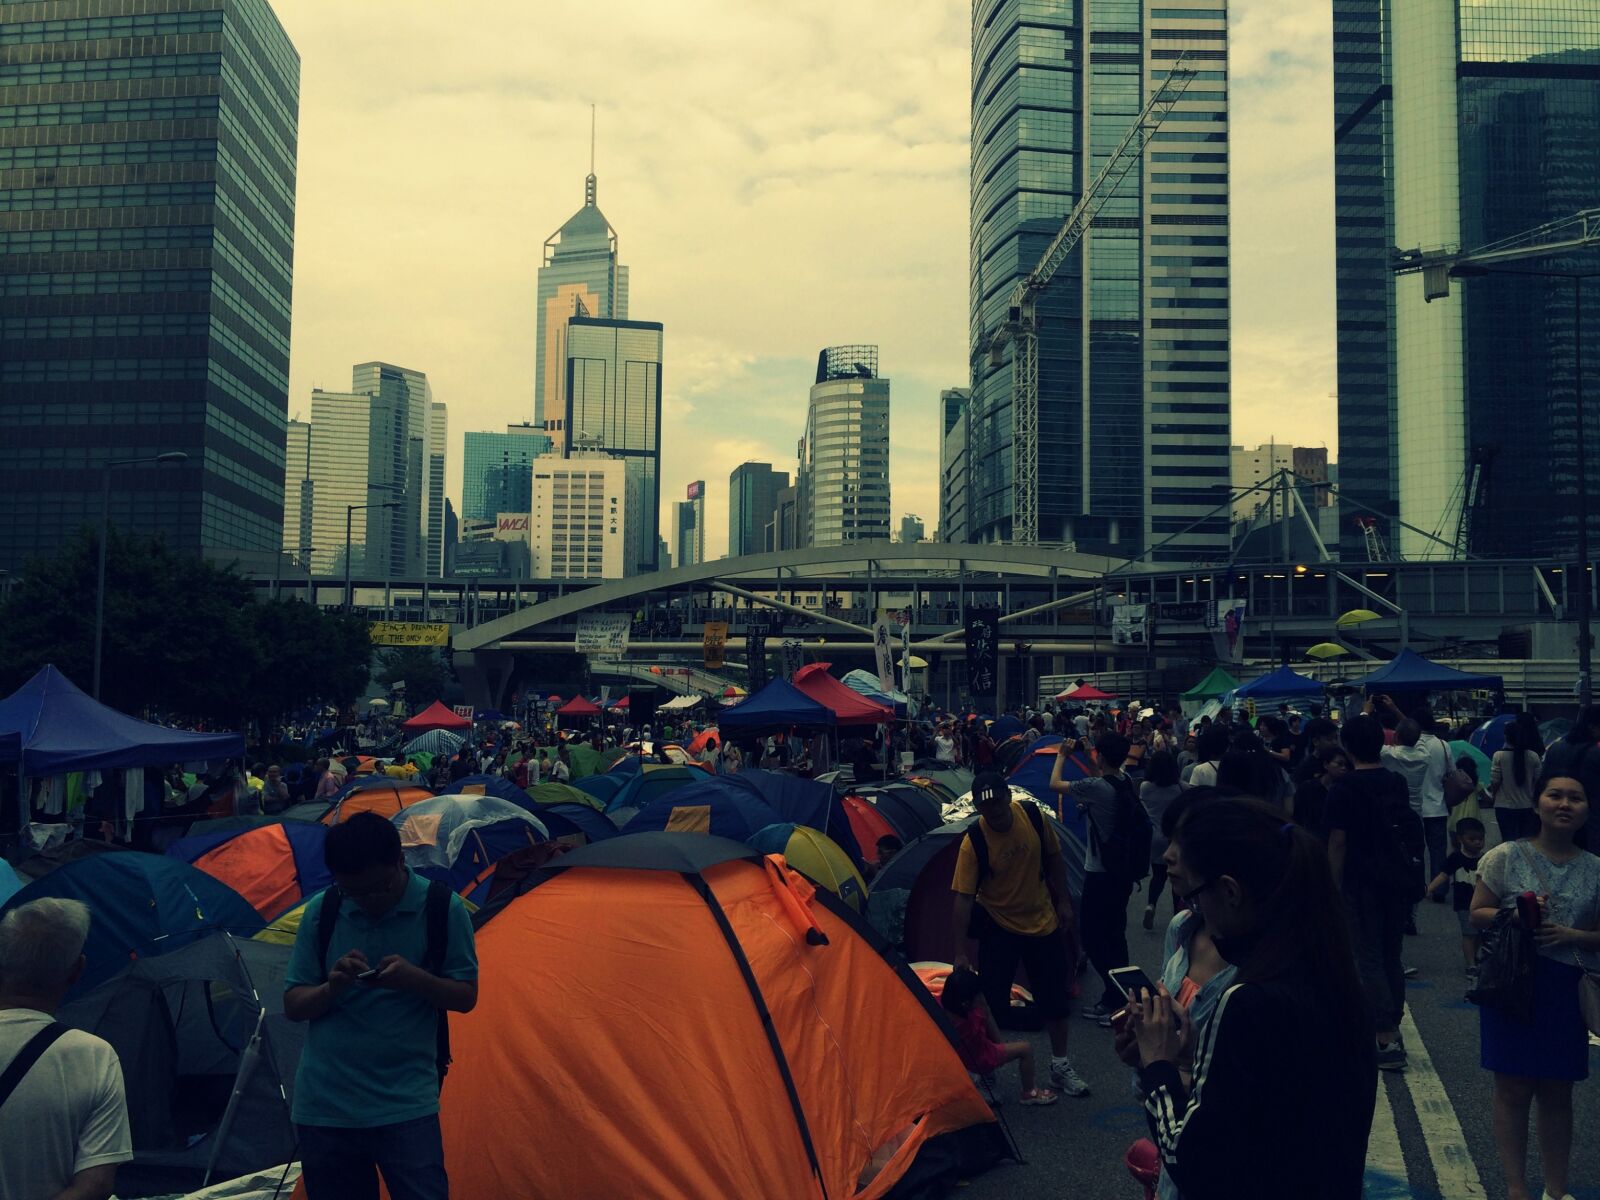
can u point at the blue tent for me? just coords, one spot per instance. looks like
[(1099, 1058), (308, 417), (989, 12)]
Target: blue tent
[(1282, 684), (458, 838), (1491, 735), (735, 806), (603, 787), (910, 809), (489, 785), (1004, 727), (55, 728), (651, 782), (776, 708), (142, 905), (1033, 772), (10, 881), (566, 820), (1408, 671), (867, 684)]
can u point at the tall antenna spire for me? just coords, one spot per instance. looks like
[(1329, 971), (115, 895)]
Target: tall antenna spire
[(589, 183)]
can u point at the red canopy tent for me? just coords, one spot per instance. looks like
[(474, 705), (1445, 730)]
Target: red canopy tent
[(1087, 692), (621, 704), (436, 716), (848, 707), (578, 707)]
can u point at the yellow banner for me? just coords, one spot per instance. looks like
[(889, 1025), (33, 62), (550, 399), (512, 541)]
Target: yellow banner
[(715, 638), (410, 633)]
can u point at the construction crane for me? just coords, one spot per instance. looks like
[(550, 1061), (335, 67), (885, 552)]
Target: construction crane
[(1577, 232), (1021, 325)]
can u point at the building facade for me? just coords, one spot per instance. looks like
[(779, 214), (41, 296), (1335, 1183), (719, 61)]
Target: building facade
[(147, 185), (1459, 123), (1134, 387), (689, 526), (613, 391), (580, 277), (497, 470), (299, 494), (953, 408), (424, 507), (438, 440), (844, 457), (752, 495), (578, 527), (360, 451), (912, 529)]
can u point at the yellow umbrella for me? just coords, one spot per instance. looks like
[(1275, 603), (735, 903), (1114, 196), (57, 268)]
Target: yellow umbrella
[(1356, 616), (918, 663), (1326, 650)]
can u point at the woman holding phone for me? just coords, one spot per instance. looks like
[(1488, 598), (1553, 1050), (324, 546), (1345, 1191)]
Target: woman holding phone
[(1542, 1058), (1242, 1129)]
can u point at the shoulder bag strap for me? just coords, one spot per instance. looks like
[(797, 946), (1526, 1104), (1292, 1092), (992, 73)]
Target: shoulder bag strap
[(1544, 882), (30, 1053)]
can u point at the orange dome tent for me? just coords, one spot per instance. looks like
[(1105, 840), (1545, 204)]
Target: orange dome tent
[(378, 794), (799, 1062)]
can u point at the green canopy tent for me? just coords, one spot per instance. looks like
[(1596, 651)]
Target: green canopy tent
[(1218, 683)]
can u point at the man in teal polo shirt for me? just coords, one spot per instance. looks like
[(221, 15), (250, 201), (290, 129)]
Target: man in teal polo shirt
[(366, 1096)]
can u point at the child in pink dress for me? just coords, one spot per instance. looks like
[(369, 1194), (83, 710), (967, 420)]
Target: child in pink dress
[(982, 1051)]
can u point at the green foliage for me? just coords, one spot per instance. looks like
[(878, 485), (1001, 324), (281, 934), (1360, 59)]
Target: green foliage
[(420, 668), (182, 636)]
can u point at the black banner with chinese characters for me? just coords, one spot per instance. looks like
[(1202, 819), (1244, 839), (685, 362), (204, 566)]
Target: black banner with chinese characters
[(983, 649), (755, 651)]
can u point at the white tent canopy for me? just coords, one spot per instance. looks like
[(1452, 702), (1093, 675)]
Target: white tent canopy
[(679, 703)]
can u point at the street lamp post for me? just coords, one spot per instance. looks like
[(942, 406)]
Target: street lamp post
[(170, 456), (349, 511)]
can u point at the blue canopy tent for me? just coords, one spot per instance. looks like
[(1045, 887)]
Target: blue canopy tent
[(49, 727), (776, 708), (1408, 671), (1282, 684), (867, 684)]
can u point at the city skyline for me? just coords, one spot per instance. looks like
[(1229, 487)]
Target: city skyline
[(737, 221)]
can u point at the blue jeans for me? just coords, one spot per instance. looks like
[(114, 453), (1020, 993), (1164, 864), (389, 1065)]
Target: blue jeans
[(343, 1164)]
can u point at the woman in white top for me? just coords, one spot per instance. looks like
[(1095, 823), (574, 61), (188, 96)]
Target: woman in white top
[(1512, 774)]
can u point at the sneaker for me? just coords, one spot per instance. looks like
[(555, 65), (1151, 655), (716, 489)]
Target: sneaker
[(1472, 974), (1064, 1075), (1391, 1057), (1040, 1096), (1099, 1013), (1149, 916), (1409, 972)]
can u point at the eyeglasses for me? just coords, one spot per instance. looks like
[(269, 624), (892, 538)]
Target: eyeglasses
[(1187, 900)]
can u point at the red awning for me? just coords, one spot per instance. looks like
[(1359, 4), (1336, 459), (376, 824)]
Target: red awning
[(1086, 692), (436, 716), (578, 707), (848, 707)]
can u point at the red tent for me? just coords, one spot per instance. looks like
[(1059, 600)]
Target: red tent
[(620, 704), (849, 707), (578, 707), (436, 716), (1087, 692)]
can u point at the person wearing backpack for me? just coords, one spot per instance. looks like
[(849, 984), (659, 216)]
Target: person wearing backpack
[(1375, 847), (1011, 892), (378, 960), (1118, 857)]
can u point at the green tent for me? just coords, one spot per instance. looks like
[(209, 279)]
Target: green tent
[(1218, 683)]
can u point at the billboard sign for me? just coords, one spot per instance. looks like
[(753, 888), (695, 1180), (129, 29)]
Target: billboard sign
[(409, 633), (605, 634)]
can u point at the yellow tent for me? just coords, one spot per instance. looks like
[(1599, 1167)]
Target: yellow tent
[(816, 856)]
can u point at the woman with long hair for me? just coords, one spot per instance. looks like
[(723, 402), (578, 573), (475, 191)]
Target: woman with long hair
[(1542, 1058), (1159, 789), (1512, 773), (1242, 1127)]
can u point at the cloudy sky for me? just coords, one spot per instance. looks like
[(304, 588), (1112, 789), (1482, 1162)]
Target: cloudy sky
[(781, 180)]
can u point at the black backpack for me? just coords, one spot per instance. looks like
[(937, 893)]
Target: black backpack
[(1125, 854), (436, 913), (1402, 851)]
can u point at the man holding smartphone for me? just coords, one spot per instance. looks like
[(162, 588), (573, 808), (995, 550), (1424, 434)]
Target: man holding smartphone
[(367, 1090)]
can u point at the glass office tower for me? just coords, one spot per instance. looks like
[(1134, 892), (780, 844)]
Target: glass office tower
[(753, 489), (844, 458), (147, 176), (424, 507), (580, 277), (1134, 417), (1459, 124), (497, 471), (613, 391)]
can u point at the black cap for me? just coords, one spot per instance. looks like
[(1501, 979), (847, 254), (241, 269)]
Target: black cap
[(990, 785)]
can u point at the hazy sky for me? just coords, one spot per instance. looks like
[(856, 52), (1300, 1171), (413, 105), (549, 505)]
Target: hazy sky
[(779, 180)]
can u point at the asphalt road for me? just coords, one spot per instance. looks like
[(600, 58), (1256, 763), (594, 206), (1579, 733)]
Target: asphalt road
[(1431, 1137)]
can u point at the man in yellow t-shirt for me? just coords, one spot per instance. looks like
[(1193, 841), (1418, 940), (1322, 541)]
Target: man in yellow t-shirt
[(1011, 895)]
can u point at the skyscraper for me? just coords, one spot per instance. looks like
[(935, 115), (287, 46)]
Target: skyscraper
[(752, 494), (299, 494), (423, 508), (1133, 345), (147, 182), (438, 439), (1459, 123), (844, 464), (613, 391), (579, 526), (360, 447), (953, 406), (689, 527), (580, 277), (497, 470)]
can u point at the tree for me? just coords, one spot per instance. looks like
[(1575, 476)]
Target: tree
[(419, 668), (183, 636)]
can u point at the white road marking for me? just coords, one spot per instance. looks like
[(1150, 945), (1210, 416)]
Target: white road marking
[(1441, 1129), (1386, 1161)]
